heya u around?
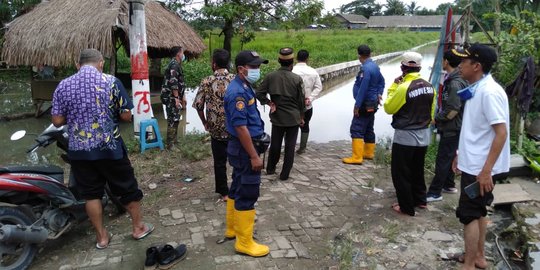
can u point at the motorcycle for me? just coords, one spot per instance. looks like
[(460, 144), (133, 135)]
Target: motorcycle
[(36, 205)]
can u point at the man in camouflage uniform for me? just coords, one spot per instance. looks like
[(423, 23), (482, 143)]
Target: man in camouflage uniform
[(172, 94)]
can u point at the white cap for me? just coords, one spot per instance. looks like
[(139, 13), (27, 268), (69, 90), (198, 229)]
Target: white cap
[(412, 59)]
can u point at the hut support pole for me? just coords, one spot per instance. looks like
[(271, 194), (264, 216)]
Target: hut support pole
[(112, 64), (140, 84)]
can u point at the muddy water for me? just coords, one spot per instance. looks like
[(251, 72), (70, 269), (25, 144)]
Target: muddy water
[(332, 113), (331, 118)]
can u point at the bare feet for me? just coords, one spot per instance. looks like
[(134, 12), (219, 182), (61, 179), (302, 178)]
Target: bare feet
[(102, 239), (479, 262)]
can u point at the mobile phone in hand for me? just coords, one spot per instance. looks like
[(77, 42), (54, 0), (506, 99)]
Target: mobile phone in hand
[(473, 190)]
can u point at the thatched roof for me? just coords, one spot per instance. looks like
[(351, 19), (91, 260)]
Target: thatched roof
[(55, 31), (428, 21), (352, 18)]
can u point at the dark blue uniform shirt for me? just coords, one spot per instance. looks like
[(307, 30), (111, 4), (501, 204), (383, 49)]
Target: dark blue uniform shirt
[(241, 109), (369, 83)]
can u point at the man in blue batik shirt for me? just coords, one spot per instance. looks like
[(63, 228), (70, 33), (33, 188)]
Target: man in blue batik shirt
[(91, 103), (367, 91)]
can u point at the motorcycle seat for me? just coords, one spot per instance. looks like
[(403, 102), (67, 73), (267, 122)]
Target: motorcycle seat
[(46, 170)]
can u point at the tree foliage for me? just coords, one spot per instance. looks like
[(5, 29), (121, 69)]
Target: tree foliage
[(250, 14), (523, 42), (394, 7), (234, 13), (9, 9), (367, 8), (412, 8), (302, 13)]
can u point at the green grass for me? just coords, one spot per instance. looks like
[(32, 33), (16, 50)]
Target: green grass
[(326, 47), (431, 157), (391, 231)]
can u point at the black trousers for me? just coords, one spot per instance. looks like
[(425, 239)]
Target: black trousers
[(408, 176), (444, 176), (470, 209), (219, 152), (307, 117), (290, 134)]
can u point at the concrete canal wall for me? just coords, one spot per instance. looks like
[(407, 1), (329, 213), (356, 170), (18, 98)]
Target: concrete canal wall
[(348, 69)]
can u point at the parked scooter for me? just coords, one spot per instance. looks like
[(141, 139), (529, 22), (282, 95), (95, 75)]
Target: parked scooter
[(36, 205)]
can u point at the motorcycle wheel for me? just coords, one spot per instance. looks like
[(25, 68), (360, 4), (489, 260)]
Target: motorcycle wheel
[(120, 209), (15, 256)]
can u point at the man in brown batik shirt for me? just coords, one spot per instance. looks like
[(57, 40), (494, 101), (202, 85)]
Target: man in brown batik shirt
[(210, 95)]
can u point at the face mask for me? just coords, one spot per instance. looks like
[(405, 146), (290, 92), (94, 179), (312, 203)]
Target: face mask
[(183, 58), (468, 92), (253, 75)]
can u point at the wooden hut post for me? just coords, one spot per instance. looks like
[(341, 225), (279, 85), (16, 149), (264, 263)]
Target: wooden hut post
[(139, 64), (112, 63)]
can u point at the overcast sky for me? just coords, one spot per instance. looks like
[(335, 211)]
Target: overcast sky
[(429, 4)]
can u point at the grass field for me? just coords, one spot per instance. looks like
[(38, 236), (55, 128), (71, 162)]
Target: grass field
[(326, 47)]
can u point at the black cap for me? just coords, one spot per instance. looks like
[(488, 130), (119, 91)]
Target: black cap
[(477, 52), (364, 50), (251, 58)]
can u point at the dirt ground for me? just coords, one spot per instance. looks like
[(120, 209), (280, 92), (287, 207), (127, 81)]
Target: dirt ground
[(328, 215)]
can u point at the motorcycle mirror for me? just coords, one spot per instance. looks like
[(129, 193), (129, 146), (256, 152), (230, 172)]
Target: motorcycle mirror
[(18, 135)]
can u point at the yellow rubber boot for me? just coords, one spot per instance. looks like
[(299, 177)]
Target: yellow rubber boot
[(357, 152), (229, 219), (369, 150), (243, 225)]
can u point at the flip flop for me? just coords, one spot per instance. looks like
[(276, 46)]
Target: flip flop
[(149, 229), (98, 246)]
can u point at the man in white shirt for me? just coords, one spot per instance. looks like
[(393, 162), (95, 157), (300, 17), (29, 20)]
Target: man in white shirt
[(312, 88), (484, 146)]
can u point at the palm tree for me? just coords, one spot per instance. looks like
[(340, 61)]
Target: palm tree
[(412, 8), (394, 7)]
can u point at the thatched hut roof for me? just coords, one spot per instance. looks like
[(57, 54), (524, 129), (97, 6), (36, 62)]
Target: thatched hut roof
[(55, 31)]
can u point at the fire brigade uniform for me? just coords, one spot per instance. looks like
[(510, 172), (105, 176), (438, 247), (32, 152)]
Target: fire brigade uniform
[(369, 85), (241, 110)]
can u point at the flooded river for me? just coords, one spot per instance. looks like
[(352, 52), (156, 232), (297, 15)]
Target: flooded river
[(331, 117)]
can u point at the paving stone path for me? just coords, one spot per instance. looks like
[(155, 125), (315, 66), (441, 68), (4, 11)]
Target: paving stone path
[(328, 215)]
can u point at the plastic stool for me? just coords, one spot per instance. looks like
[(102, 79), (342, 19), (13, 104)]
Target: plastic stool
[(157, 142)]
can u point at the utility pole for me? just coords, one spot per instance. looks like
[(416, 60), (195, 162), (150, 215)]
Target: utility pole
[(140, 84)]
